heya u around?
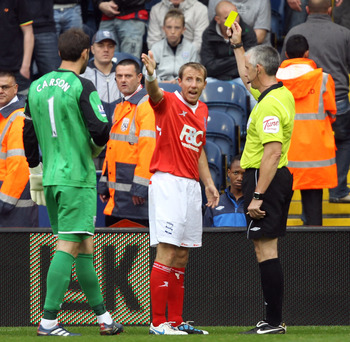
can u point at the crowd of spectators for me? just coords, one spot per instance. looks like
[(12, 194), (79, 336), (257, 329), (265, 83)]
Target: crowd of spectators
[(29, 45), (176, 31)]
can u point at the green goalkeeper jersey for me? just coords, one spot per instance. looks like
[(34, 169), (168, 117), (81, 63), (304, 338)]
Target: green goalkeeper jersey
[(66, 113)]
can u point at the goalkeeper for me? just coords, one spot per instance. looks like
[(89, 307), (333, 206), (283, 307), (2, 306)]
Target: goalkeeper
[(64, 115)]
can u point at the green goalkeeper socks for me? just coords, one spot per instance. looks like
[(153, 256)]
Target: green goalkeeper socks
[(89, 283), (58, 278)]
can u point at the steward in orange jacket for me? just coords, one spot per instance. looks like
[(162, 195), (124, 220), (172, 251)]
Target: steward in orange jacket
[(312, 151), (311, 157), (16, 207), (125, 175)]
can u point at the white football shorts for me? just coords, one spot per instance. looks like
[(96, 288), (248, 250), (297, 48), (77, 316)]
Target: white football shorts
[(175, 211)]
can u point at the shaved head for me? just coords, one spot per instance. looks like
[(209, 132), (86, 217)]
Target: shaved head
[(222, 10), (225, 6), (319, 6)]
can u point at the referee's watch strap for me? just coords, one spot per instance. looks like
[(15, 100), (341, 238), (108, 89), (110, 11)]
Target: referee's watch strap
[(258, 196)]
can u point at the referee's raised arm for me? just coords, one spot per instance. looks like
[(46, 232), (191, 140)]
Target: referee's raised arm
[(152, 87), (235, 34)]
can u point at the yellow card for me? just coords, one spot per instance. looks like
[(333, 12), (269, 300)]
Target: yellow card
[(231, 18)]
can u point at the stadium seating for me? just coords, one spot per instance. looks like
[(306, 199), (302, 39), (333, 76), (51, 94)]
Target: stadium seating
[(215, 163), (170, 87), (221, 130), (229, 98)]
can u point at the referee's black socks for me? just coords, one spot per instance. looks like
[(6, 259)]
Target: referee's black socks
[(272, 282)]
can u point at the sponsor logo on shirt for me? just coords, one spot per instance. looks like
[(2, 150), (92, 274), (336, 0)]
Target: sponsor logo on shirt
[(191, 138), (271, 124)]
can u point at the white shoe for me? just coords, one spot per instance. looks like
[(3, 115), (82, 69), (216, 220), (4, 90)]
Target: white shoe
[(165, 329)]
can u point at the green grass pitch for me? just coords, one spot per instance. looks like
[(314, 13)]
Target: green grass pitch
[(216, 334)]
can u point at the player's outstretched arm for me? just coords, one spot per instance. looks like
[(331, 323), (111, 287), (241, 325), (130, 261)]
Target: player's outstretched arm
[(154, 92), (211, 192)]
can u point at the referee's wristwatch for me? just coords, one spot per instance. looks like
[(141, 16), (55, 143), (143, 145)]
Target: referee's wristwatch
[(258, 196)]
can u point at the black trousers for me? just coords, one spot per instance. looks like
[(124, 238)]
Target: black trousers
[(312, 206)]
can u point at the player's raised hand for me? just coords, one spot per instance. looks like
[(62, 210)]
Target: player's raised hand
[(235, 33), (153, 90), (149, 62)]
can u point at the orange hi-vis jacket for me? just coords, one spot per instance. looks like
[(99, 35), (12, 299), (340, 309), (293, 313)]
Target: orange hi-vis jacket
[(311, 157), (129, 151), (16, 207)]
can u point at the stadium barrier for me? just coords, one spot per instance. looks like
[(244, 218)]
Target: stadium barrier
[(222, 280)]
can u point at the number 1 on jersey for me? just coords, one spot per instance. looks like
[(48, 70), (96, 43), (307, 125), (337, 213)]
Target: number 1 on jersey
[(52, 117)]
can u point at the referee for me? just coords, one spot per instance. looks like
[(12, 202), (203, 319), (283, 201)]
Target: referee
[(267, 182)]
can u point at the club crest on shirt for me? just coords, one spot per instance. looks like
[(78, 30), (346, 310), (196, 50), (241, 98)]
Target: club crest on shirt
[(185, 54), (125, 124), (271, 124)]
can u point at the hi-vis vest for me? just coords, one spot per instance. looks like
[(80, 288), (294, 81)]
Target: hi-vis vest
[(129, 151), (16, 207), (311, 157)]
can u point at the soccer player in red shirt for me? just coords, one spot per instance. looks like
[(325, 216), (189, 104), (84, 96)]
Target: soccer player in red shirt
[(175, 199)]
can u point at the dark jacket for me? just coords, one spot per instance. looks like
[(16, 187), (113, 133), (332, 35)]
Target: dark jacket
[(217, 55), (42, 14), (228, 213)]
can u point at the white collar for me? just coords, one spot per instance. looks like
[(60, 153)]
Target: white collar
[(15, 99), (193, 107)]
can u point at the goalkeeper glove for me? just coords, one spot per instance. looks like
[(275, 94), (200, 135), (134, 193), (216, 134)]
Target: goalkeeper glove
[(96, 150), (36, 184)]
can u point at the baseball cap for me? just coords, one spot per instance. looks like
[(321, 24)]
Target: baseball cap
[(103, 35)]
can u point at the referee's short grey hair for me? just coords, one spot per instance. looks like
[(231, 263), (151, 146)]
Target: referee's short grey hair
[(267, 56)]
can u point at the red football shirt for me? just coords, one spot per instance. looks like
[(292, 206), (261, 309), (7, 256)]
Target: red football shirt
[(180, 136)]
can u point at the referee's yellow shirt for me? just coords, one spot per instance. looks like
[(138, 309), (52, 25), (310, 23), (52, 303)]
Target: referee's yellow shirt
[(271, 119)]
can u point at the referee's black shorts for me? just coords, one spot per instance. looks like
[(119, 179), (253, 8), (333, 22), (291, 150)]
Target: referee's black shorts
[(276, 203)]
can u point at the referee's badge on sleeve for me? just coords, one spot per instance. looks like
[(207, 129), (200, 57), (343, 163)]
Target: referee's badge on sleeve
[(271, 124)]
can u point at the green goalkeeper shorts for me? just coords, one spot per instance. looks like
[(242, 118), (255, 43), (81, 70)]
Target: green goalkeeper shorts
[(72, 211)]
